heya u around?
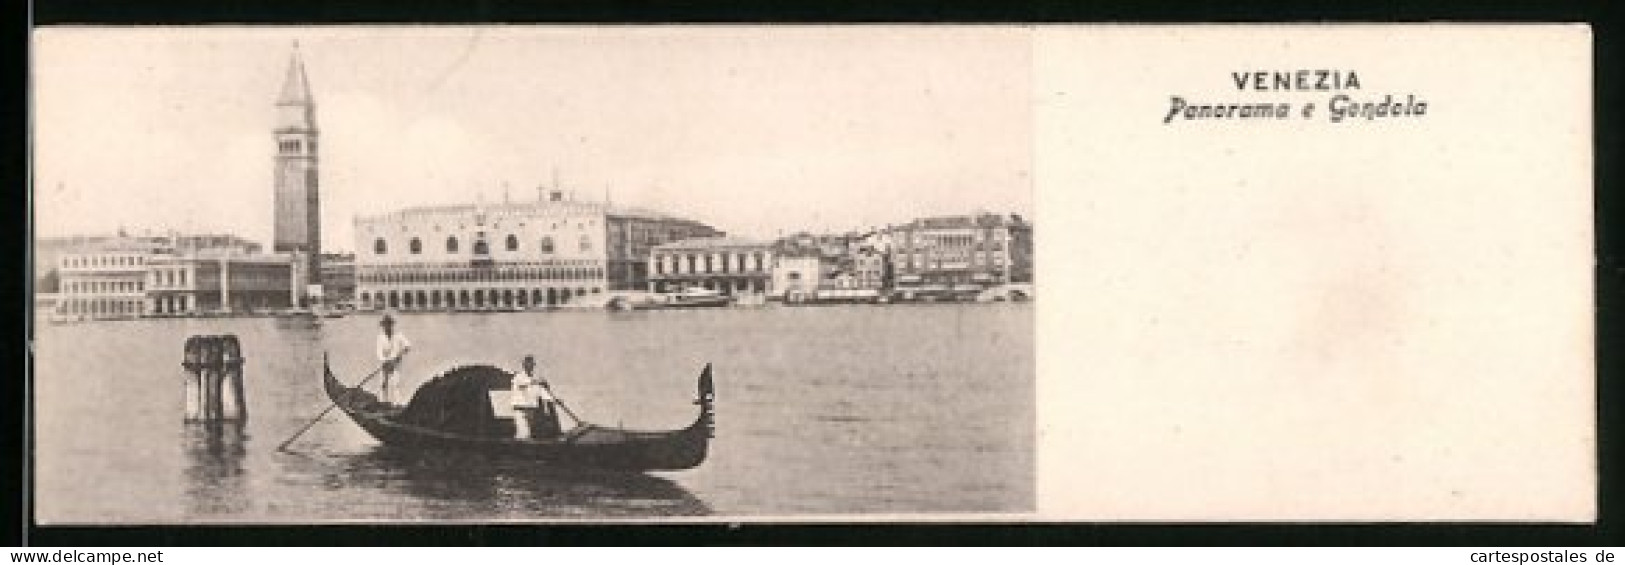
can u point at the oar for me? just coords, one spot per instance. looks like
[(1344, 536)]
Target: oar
[(567, 410), (330, 406)]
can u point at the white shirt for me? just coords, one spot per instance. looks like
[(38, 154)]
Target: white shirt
[(391, 347), (523, 388)]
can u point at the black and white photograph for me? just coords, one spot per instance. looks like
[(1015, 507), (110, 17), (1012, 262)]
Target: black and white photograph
[(521, 273)]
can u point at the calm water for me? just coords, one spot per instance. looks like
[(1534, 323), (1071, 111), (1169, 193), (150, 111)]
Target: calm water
[(821, 411)]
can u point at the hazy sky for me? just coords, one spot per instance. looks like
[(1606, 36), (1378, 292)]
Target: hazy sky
[(753, 130)]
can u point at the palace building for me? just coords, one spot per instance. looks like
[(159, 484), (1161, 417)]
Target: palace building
[(551, 251)]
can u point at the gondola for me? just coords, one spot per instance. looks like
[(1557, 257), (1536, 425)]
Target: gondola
[(454, 412)]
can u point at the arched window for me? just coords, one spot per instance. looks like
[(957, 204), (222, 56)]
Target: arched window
[(378, 247), (547, 244), (451, 245), (586, 243), (481, 249), (415, 246), (513, 243)]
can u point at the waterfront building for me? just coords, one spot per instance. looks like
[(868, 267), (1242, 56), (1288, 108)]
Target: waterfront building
[(797, 275), (104, 278), (48, 252), (729, 265), (298, 219), (960, 256), (829, 268), (47, 255), (551, 251), (869, 269), (109, 277), (850, 266), (634, 233), (1021, 250), (220, 281), (338, 278)]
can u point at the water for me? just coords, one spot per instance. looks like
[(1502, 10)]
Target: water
[(826, 411)]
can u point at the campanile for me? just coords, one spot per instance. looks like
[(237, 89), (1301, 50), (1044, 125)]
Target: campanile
[(298, 199)]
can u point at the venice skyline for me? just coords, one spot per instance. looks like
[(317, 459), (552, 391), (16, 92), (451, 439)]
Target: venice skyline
[(869, 131)]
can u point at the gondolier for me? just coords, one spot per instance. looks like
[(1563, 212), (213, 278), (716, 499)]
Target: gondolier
[(392, 346), (524, 398)]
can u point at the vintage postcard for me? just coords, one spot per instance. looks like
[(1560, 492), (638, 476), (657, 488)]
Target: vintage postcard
[(453, 274)]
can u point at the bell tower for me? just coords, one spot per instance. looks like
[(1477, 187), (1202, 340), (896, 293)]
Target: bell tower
[(298, 227)]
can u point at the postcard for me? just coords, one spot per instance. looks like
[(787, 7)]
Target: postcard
[(608, 274)]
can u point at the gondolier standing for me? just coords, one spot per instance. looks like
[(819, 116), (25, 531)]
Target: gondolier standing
[(524, 399), (392, 346)]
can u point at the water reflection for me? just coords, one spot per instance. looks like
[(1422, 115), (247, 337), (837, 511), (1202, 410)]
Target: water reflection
[(215, 474), (509, 488)]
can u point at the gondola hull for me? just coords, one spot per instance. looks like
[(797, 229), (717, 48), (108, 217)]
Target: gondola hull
[(588, 446)]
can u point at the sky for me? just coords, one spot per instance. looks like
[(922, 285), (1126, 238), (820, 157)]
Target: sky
[(755, 130)]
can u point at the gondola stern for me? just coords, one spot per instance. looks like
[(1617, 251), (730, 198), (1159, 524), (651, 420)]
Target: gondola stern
[(707, 401), (706, 390)]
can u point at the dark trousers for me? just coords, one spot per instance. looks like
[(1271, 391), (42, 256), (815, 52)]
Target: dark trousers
[(544, 421)]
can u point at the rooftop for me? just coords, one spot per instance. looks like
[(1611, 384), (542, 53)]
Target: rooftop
[(295, 86), (979, 219), (526, 208)]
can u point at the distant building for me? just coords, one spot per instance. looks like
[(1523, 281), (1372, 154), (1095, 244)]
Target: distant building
[(338, 278), (829, 267), (220, 281), (869, 269), (213, 243), (1021, 250), (550, 251), (47, 253), (797, 276), (104, 278), (633, 236), (960, 256), (120, 277), (728, 265)]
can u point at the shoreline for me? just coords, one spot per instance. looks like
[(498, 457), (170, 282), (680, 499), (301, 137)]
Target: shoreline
[(41, 318)]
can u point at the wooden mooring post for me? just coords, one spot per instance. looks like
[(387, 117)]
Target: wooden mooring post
[(214, 379)]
